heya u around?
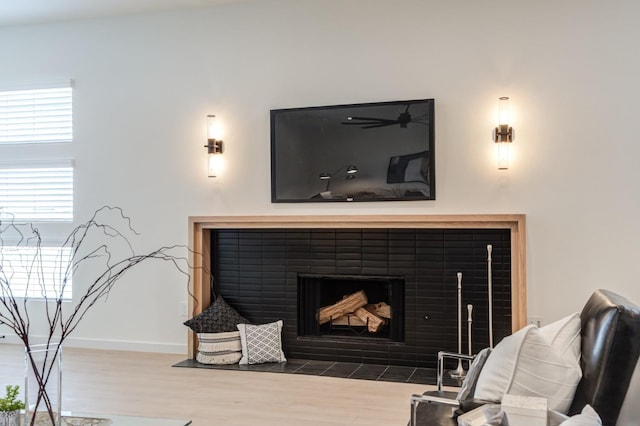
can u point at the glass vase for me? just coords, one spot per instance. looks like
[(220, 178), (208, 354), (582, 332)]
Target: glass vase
[(10, 418), (43, 384)]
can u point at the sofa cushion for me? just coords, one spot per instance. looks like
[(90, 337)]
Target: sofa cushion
[(525, 363)]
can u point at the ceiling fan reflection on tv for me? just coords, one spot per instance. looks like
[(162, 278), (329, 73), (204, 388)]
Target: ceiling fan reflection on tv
[(374, 122)]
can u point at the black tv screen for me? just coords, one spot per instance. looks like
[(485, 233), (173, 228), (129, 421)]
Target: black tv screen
[(381, 151)]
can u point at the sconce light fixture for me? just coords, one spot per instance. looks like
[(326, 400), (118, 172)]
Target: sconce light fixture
[(503, 133), (349, 171), (214, 146)]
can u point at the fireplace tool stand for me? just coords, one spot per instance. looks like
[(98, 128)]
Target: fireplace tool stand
[(459, 372)]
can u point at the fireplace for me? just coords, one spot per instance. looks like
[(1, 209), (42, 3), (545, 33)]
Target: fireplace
[(256, 261), (381, 298)]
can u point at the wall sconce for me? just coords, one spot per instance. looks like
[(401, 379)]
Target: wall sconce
[(350, 173), (214, 146), (503, 133)]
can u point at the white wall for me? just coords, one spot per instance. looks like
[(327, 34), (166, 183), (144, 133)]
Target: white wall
[(144, 85)]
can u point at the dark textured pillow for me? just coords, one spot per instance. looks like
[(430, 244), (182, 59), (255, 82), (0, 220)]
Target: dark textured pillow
[(469, 384), (217, 318)]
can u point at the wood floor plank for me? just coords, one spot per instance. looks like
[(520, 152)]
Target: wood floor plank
[(145, 384)]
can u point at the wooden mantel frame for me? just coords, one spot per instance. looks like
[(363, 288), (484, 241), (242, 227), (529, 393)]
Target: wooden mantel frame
[(200, 228)]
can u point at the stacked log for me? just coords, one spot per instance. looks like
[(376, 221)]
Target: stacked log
[(350, 320), (354, 310)]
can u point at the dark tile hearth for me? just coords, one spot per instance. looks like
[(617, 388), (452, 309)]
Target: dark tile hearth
[(343, 370)]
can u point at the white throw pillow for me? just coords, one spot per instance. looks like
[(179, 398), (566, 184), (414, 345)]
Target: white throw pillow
[(525, 363), (564, 336), (261, 343), (219, 348), (588, 417)]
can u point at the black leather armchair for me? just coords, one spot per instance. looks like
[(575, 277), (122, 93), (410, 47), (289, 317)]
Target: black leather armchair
[(610, 342)]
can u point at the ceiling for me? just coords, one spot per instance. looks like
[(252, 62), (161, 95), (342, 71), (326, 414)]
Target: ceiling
[(19, 12)]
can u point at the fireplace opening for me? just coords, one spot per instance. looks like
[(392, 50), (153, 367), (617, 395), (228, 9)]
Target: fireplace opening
[(351, 306)]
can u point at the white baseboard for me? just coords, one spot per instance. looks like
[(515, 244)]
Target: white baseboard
[(112, 345)]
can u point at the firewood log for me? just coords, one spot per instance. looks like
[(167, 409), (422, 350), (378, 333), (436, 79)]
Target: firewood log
[(374, 322), (380, 309), (345, 306), (349, 320)]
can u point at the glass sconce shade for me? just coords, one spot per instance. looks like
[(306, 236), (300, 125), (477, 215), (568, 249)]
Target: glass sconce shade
[(503, 133), (503, 155), (214, 146), (214, 164), (214, 128)]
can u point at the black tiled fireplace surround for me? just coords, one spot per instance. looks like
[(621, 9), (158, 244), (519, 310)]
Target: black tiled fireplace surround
[(256, 270)]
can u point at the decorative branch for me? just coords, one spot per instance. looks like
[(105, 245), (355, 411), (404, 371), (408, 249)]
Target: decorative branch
[(95, 248)]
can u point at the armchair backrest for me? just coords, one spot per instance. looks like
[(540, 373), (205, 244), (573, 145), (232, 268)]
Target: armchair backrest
[(610, 350)]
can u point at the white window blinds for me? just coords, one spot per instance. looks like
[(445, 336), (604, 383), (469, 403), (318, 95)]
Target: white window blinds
[(37, 193), (36, 115), (33, 274)]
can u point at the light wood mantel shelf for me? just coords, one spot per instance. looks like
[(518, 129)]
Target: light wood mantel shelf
[(200, 228)]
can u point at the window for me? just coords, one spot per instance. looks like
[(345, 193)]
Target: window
[(36, 115), (36, 275), (36, 185), (37, 193)]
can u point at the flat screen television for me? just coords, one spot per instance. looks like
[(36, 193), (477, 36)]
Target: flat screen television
[(381, 151)]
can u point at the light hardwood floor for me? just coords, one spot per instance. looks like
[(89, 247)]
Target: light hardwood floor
[(145, 384)]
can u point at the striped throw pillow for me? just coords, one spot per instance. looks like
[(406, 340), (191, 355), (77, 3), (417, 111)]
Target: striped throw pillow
[(219, 348)]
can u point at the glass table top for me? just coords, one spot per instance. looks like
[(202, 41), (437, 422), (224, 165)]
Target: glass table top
[(142, 421), (86, 419)]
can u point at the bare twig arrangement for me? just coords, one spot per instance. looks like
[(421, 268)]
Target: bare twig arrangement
[(99, 249)]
